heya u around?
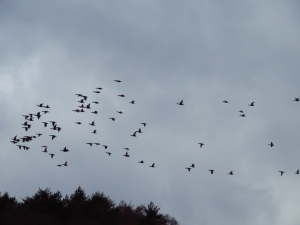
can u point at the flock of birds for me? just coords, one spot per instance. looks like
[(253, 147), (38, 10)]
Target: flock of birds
[(30, 117)]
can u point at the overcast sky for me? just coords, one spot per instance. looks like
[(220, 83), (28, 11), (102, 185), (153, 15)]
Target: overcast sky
[(202, 52)]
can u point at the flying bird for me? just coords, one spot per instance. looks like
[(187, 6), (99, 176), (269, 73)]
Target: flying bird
[(127, 149), (120, 112), (53, 136), (113, 119), (95, 112), (212, 171), (65, 164), (201, 144), (271, 144), (109, 153), (297, 172), (139, 131), (225, 101), (296, 99), (65, 149), (193, 166), (243, 115), (117, 80), (51, 155), (252, 104), (121, 95), (141, 161), (126, 155), (78, 123), (105, 146), (281, 172), (132, 102), (94, 132), (97, 92), (92, 123), (230, 173), (152, 165), (89, 144), (96, 102), (134, 134), (144, 124), (180, 103)]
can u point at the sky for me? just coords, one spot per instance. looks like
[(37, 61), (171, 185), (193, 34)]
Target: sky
[(199, 51)]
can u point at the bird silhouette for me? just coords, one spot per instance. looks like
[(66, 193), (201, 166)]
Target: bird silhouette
[(252, 104), (193, 166), (297, 172), (117, 80), (243, 115), (109, 153), (96, 102), (126, 155), (113, 119), (39, 134), (51, 155), (45, 150), (152, 165), (95, 112), (120, 112), (189, 169), (92, 123), (89, 144), (53, 136), (241, 111), (212, 171), (201, 144), (105, 146), (296, 99), (78, 123), (271, 144), (65, 164), (281, 172), (97, 92), (121, 95), (225, 101), (141, 161), (230, 173), (40, 105), (139, 131), (134, 134), (94, 132), (65, 149), (180, 103), (127, 149), (132, 102), (144, 124)]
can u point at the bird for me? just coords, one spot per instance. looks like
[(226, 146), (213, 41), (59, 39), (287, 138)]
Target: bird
[(271, 144), (230, 173), (95, 112), (81, 101), (127, 149), (152, 165), (189, 169), (78, 123), (20, 146), (40, 105), (105, 146), (96, 102), (81, 106), (65, 149), (79, 95), (88, 106), (45, 150), (99, 88), (133, 135), (141, 161), (241, 111), (121, 95), (140, 131), (297, 172), (53, 123), (113, 119), (132, 102), (126, 155), (39, 134), (212, 171), (120, 112), (92, 123), (47, 106), (59, 165), (296, 99), (89, 144), (51, 155), (243, 115), (53, 136), (65, 164), (58, 129), (94, 132), (201, 144), (225, 101), (281, 172), (44, 146), (76, 110), (180, 103), (109, 153), (252, 104), (85, 97), (97, 92), (97, 143), (45, 124), (117, 80), (81, 110), (193, 166), (45, 112), (144, 124)]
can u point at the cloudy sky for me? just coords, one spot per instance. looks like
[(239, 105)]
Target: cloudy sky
[(200, 51)]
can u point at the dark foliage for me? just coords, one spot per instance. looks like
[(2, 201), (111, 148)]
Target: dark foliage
[(47, 208)]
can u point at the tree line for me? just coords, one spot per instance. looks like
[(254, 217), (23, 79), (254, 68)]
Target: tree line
[(48, 208)]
